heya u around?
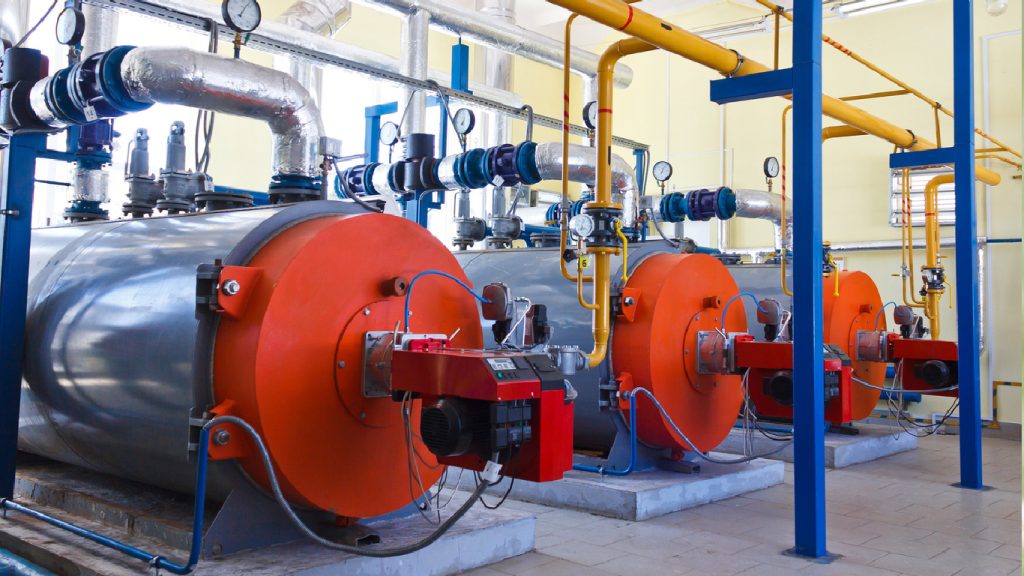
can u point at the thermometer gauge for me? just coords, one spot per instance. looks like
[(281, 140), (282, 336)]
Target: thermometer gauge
[(590, 115), (582, 225), (771, 167), (70, 26)]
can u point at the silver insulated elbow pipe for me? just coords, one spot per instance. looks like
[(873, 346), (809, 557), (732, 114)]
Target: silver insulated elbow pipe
[(202, 80), (762, 205)]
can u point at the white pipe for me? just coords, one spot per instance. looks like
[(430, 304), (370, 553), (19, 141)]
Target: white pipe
[(415, 41), (14, 19), (504, 36), (323, 17)]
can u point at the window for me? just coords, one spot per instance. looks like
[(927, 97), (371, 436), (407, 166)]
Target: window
[(918, 180)]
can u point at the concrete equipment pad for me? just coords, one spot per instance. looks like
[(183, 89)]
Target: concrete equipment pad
[(645, 495), (841, 450), (159, 524)]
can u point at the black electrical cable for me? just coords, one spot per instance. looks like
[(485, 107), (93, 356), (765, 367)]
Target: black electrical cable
[(306, 531), (205, 118), (354, 197), (511, 483), (37, 25)]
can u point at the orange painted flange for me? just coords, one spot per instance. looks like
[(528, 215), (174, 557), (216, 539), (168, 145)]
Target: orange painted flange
[(680, 295), (280, 360), (854, 309)]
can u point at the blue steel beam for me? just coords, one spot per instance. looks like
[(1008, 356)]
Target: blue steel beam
[(936, 157), (808, 361), (966, 246), (752, 87), (19, 171)]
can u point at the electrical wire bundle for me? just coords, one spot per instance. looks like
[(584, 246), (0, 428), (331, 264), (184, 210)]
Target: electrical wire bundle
[(908, 424)]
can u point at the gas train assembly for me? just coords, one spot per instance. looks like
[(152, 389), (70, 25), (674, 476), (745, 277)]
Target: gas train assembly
[(311, 362)]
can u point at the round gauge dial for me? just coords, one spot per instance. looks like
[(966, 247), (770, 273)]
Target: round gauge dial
[(70, 26), (241, 15), (464, 121), (662, 171), (582, 225), (590, 115), (771, 167), (389, 134)]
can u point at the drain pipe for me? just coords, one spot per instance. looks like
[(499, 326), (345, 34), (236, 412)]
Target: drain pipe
[(323, 17)]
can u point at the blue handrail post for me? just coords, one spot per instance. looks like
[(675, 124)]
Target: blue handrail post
[(966, 246), (808, 362), (18, 182)]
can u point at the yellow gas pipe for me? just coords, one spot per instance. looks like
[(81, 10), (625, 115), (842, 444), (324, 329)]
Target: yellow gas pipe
[(931, 232), (639, 24), (603, 189), (776, 9), (563, 220)]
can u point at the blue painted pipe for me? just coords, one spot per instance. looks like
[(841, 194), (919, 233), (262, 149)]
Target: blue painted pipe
[(158, 562), (605, 471), (898, 396)]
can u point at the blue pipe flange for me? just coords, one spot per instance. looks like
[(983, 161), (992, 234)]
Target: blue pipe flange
[(701, 205), (551, 214), (111, 83), (58, 98), (395, 179), (472, 170), (501, 162), (726, 203), (526, 162), (353, 182), (673, 207)]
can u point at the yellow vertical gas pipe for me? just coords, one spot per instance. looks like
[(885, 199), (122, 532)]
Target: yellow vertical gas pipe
[(931, 234), (603, 189)]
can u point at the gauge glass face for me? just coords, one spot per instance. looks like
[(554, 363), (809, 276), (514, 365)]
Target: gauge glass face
[(582, 225), (590, 115), (662, 171), (389, 134), (242, 15), (464, 121), (771, 167), (70, 26)]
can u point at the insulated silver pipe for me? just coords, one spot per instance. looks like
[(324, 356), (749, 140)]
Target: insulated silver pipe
[(208, 81), (583, 170), (323, 17), (14, 19), (504, 36), (100, 30), (415, 44), (762, 205)]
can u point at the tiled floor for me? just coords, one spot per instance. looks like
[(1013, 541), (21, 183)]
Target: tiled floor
[(898, 515)]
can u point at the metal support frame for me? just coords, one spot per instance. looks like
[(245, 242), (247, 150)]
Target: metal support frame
[(966, 246), (808, 330), (961, 154), (18, 189), (804, 82)]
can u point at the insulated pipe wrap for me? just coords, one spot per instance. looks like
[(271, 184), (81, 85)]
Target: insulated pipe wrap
[(202, 80), (763, 205), (583, 169), (324, 17)]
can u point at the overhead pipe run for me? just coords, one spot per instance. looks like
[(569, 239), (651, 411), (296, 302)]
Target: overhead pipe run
[(641, 25), (414, 59), (503, 36)]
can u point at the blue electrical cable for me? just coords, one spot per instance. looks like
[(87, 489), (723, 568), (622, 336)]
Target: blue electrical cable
[(725, 311), (408, 293), (879, 315)]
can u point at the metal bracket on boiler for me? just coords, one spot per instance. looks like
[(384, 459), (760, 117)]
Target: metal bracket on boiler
[(378, 347)]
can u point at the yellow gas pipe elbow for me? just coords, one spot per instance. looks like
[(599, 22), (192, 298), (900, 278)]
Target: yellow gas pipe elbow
[(603, 189)]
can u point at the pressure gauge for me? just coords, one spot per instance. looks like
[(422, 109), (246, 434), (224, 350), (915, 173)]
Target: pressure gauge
[(582, 225), (590, 115), (464, 121), (70, 26), (241, 15), (389, 134), (771, 167), (662, 171)]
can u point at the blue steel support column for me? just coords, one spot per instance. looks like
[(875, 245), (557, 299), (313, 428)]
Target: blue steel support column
[(19, 185), (966, 246), (808, 362)]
